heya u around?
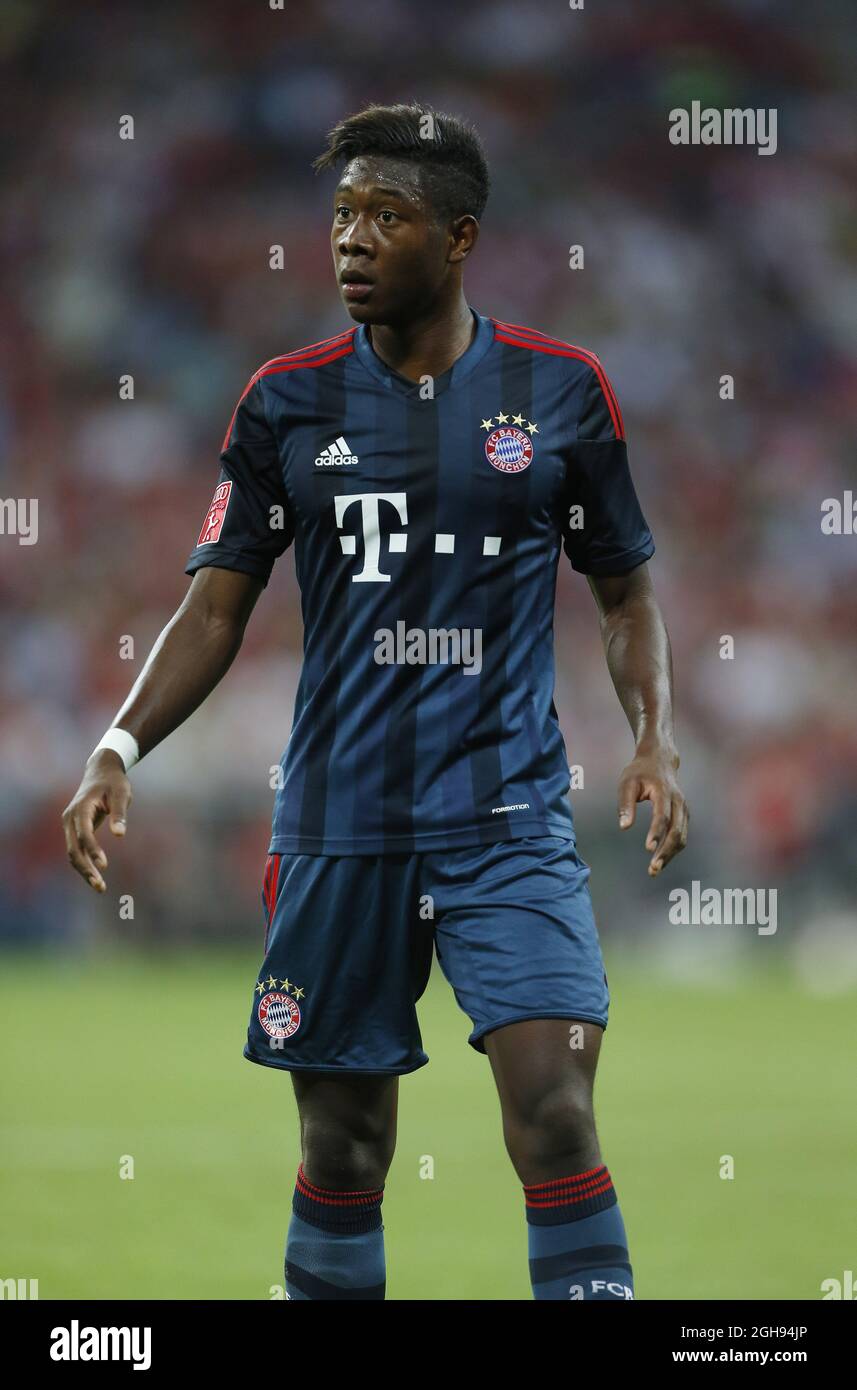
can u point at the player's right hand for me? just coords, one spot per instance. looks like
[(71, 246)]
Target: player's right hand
[(104, 791)]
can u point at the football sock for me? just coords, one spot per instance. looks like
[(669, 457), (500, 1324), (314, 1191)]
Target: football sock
[(335, 1245), (577, 1243)]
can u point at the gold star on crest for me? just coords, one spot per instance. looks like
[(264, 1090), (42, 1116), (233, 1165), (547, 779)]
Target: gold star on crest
[(502, 419), (487, 424), (299, 993), (286, 985), (518, 419), (531, 428), (260, 988)]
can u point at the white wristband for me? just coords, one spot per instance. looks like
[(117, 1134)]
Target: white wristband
[(122, 743)]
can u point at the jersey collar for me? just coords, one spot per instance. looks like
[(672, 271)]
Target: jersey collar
[(452, 377)]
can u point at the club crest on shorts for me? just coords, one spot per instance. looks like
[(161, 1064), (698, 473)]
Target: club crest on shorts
[(278, 1010), (509, 447)]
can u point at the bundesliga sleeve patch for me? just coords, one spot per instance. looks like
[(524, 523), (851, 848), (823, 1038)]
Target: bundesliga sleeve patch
[(216, 515)]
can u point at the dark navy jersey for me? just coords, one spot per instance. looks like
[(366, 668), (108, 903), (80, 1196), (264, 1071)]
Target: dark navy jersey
[(427, 521)]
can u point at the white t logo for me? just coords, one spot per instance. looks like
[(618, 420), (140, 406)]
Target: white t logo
[(398, 540)]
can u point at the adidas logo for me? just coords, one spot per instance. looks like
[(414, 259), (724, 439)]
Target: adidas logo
[(336, 455)]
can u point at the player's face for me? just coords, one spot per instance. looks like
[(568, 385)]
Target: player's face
[(390, 252)]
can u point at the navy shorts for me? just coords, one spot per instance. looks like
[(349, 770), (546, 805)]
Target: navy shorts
[(349, 942)]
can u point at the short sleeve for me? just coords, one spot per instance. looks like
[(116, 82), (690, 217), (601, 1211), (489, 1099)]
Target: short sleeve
[(603, 528), (249, 522)]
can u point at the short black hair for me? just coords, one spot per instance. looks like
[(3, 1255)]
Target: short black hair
[(447, 148)]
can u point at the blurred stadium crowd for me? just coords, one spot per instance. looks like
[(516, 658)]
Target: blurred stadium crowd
[(149, 257)]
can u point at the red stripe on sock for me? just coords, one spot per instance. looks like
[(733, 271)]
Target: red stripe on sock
[(569, 1199), (558, 1192), (575, 1177), (331, 1198)]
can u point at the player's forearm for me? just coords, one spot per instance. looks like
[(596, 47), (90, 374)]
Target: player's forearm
[(639, 658), (189, 658)]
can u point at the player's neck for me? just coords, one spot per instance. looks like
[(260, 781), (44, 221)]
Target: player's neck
[(426, 346)]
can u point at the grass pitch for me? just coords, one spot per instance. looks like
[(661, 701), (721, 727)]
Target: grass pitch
[(141, 1058)]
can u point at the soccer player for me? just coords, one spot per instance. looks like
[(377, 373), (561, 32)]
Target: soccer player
[(429, 463)]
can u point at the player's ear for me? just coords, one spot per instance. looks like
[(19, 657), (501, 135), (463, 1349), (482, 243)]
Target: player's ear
[(463, 235)]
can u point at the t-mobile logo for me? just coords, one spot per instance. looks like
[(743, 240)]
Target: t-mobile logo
[(370, 518), (397, 541)]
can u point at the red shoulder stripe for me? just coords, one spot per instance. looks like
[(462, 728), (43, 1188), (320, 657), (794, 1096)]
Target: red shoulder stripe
[(310, 359), (540, 342), (533, 333), (311, 348), (315, 356)]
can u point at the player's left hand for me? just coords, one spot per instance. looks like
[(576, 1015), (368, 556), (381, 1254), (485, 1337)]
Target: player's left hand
[(652, 777)]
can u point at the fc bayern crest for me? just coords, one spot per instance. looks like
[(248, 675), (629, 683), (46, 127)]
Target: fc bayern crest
[(279, 1015), (509, 449)]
